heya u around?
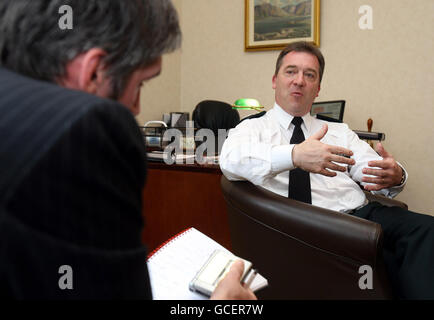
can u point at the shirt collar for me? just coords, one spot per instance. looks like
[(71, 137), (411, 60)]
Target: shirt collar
[(284, 118)]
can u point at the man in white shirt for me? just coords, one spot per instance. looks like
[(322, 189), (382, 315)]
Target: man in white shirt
[(291, 153)]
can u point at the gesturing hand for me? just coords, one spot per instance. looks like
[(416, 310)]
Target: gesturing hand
[(387, 173), (314, 156)]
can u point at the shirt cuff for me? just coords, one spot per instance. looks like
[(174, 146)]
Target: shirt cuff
[(281, 158), (405, 176)]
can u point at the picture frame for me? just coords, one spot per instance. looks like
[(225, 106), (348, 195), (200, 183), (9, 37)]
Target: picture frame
[(273, 24)]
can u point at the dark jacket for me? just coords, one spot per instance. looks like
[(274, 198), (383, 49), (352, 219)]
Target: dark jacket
[(72, 170)]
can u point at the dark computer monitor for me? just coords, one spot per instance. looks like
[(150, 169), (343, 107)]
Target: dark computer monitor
[(329, 110)]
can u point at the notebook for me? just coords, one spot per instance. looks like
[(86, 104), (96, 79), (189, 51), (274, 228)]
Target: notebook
[(175, 263)]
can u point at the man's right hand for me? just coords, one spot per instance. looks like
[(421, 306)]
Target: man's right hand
[(230, 288), (314, 156)]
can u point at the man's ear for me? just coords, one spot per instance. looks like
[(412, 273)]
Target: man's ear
[(319, 88), (87, 72), (273, 81), (91, 72)]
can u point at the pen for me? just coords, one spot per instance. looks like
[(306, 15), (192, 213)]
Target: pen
[(252, 276)]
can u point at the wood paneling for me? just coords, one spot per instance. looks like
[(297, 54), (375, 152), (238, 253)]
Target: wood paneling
[(177, 197)]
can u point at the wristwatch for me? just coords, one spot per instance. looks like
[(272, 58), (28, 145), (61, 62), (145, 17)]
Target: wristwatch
[(402, 177)]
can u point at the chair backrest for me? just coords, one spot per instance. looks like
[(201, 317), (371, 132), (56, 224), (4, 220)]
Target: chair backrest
[(214, 115), (305, 252)]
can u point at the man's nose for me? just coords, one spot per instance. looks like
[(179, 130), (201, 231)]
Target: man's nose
[(299, 79)]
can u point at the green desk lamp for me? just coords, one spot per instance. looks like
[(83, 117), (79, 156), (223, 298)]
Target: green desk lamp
[(247, 104)]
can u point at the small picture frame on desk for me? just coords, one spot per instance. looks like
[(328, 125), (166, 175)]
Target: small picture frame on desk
[(179, 119)]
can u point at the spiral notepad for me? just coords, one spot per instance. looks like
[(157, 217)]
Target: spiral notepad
[(174, 264)]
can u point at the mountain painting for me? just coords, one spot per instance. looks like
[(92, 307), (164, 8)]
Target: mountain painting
[(273, 24), (282, 19)]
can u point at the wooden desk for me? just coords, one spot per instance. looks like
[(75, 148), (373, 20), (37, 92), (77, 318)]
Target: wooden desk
[(177, 197)]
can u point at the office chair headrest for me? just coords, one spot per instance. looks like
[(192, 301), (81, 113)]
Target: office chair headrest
[(215, 115)]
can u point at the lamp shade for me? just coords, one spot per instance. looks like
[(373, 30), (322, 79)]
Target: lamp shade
[(247, 104)]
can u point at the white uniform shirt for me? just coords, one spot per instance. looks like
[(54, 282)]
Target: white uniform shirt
[(258, 150)]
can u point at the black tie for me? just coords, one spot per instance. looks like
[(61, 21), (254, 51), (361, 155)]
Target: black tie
[(299, 180)]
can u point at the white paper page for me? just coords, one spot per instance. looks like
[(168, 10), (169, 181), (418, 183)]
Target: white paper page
[(173, 266)]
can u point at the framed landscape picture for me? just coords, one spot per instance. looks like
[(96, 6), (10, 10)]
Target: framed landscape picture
[(273, 24)]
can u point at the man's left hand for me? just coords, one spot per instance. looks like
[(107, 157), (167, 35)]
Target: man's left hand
[(386, 174)]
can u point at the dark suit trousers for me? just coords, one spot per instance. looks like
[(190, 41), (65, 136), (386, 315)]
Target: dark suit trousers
[(408, 249)]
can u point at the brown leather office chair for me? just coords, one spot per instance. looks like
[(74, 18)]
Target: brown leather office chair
[(305, 252)]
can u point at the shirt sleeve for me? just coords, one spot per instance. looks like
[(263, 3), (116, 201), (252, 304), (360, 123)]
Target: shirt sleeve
[(249, 154)]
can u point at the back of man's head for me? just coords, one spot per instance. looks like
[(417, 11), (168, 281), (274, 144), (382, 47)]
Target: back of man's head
[(133, 33)]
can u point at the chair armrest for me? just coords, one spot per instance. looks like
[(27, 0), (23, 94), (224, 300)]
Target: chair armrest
[(384, 200), (336, 233)]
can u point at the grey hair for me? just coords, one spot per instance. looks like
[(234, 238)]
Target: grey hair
[(133, 33)]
